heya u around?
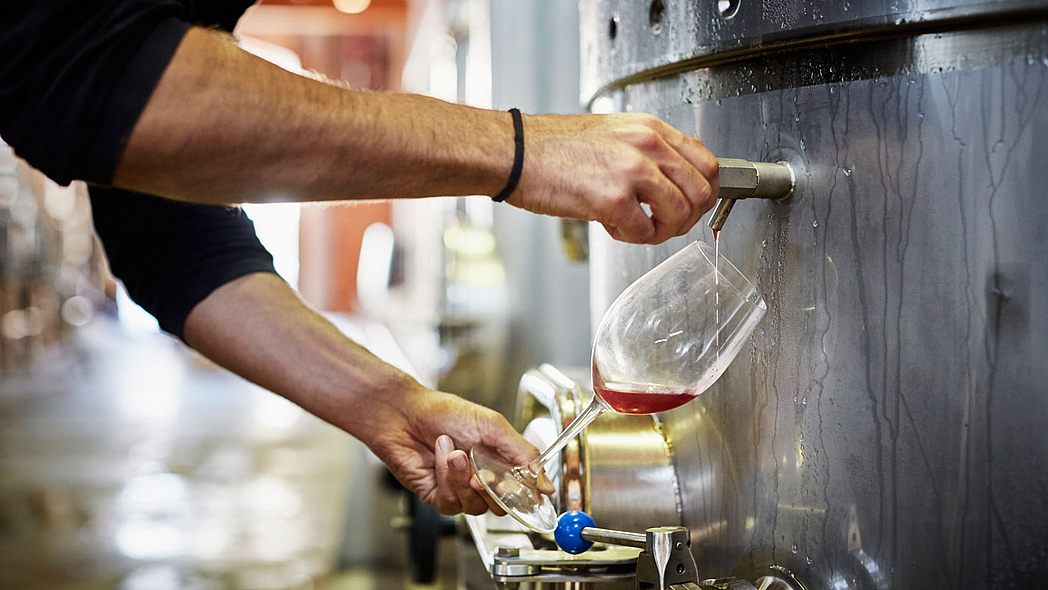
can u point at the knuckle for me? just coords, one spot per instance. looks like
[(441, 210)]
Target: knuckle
[(631, 164), (489, 415), (688, 224), (615, 207), (647, 139), (686, 209), (649, 120), (712, 190), (493, 420), (710, 168), (702, 194)]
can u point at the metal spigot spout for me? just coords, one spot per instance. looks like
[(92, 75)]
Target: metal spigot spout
[(742, 179), (720, 214)]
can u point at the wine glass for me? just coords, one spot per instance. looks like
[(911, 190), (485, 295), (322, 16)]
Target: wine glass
[(662, 342)]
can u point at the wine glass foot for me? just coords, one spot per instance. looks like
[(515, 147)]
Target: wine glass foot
[(514, 488)]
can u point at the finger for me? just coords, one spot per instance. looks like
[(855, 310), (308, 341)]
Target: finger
[(643, 181), (445, 499), (478, 487), (689, 191), (694, 187), (704, 195), (459, 476), (545, 485), (626, 221), (669, 208), (685, 164), (701, 158), (662, 177), (500, 435)]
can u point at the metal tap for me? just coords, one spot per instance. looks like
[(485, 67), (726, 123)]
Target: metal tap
[(742, 179), (666, 562)]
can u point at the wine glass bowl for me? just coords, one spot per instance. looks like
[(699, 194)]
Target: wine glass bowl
[(664, 340), (670, 334)]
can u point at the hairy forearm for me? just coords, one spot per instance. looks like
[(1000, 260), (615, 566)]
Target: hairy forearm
[(257, 327), (224, 126)]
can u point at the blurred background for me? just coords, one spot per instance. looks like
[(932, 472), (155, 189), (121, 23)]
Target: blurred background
[(127, 461), (883, 428)]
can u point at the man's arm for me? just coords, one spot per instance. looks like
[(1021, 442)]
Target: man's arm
[(202, 272), (224, 126), (257, 327)]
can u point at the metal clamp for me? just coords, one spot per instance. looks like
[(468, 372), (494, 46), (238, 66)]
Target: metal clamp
[(666, 562)]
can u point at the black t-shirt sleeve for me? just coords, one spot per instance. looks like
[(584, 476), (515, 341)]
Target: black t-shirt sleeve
[(75, 76), (171, 255), (74, 79)]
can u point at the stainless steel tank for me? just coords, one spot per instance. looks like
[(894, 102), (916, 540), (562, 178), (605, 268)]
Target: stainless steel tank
[(888, 426)]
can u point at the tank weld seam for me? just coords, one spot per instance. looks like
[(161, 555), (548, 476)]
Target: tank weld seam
[(678, 500)]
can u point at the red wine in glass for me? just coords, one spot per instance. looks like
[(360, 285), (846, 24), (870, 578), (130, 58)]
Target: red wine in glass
[(625, 399)]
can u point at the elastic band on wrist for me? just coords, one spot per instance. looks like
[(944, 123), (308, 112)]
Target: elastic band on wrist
[(518, 157)]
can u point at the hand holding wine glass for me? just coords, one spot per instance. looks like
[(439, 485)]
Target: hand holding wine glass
[(665, 339)]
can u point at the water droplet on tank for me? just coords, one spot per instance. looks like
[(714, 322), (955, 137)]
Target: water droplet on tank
[(804, 401), (794, 548), (847, 171), (815, 223), (808, 560), (764, 243)]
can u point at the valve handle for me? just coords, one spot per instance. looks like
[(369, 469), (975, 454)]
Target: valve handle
[(575, 533), (568, 533)]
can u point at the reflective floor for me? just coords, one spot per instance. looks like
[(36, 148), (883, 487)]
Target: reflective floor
[(127, 462)]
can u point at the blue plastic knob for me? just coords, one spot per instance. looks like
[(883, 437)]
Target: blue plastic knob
[(568, 533)]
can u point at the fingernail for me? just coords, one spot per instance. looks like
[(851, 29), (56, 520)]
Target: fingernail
[(458, 462), (444, 443)]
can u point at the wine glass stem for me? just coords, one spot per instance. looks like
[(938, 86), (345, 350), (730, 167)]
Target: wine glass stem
[(594, 409)]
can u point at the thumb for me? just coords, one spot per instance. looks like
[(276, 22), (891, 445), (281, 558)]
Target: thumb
[(545, 485), (634, 227)]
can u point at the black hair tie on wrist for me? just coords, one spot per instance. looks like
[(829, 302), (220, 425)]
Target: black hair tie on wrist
[(518, 157)]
